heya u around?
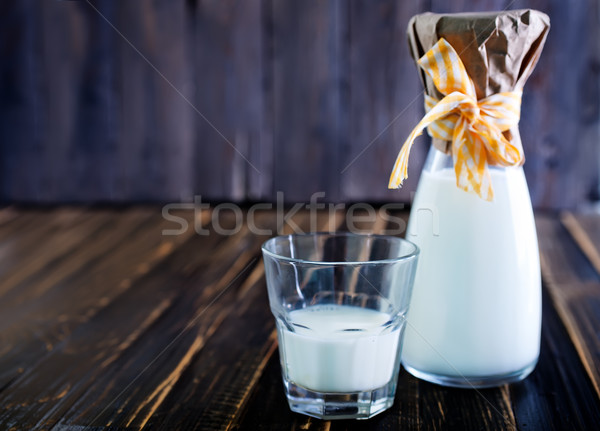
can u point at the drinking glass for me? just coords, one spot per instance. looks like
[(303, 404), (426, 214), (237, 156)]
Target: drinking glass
[(340, 302)]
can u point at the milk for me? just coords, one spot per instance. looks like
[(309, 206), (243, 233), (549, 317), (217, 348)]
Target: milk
[(336, 348), (476, 304)]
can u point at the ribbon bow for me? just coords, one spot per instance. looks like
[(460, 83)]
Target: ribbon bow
[(474, 127)]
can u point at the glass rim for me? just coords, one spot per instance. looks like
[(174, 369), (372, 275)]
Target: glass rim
[(405, 257)]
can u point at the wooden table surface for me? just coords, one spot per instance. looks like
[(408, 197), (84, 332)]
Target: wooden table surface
[(107, 323)]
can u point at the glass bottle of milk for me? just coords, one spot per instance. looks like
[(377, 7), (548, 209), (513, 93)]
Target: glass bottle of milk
[(475, 315)]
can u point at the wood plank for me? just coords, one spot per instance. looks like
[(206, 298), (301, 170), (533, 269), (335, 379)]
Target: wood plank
[(46, 307), (310, 101), (7, 215), (98, 339), (9, 229), (75, 261), (63, 232), (88, 134), (31, 330), (563, 261), (22, 220), (154, 157), (386, 101), (585, 230), (19, 239), (574, 288), (235, 158), (559, 394), (573, 283), (21, 132), (580, 305), (88, 154), (66, 89), (217, 385), (17, 234), (164, 352)]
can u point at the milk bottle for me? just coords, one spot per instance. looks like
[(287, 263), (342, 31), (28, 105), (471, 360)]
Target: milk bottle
[(475, 315)]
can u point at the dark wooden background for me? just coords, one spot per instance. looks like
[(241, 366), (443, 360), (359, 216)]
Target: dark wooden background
[(298, 88)]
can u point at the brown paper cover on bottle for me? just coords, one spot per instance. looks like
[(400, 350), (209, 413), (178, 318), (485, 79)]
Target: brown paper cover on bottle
[(499, 50)]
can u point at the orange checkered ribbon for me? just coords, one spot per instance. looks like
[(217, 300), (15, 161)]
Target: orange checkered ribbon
[(473, 126)]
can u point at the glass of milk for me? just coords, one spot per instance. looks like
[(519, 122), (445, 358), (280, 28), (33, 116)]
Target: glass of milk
[(340, 302)]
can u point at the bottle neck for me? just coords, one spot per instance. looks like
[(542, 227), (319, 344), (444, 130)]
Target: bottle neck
[(437, 160)]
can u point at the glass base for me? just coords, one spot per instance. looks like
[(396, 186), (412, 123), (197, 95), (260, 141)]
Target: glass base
[(355, 405), (470, 382)]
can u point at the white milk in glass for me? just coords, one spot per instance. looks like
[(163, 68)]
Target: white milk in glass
[(476, 304), (338, 348)]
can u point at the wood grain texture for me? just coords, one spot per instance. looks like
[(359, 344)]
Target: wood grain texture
[(310, 118), (585, 230), (112, 325), (155, 116), (198, 305), (231, 161), (46, 307), (386, 101), (20, 241), (163, 100), (574, 287), (583, 303), (111, 277), (564, 397)]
